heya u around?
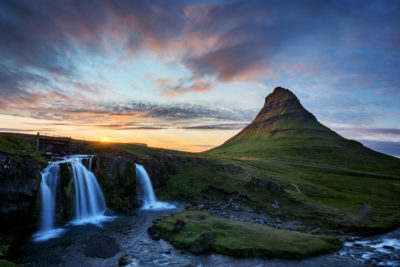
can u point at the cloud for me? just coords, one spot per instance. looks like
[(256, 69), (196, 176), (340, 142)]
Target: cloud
[(387, 147), (42, 44), (368, 133), (133, 115), (170, 89), (224, 126), (231, 40)]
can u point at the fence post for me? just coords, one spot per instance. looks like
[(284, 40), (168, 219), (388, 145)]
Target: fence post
[(37, 141)]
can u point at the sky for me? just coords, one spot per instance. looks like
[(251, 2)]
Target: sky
[(188, 75)]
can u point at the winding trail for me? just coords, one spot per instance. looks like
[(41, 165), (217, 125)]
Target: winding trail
[(297, 188)]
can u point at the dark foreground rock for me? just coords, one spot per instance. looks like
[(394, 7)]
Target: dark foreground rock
[(101, 246), (19, 183)]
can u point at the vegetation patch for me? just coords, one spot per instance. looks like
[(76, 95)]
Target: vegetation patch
[(10, 144), (200, 232)]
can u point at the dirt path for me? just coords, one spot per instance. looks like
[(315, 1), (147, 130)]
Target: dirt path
[(297, 188)]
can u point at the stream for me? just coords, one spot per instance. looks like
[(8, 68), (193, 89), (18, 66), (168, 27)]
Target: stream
[(103, 245)]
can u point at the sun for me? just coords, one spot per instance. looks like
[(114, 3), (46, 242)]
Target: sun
[(105, 139)]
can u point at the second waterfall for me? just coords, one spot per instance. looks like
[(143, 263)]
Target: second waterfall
[(145, 191)]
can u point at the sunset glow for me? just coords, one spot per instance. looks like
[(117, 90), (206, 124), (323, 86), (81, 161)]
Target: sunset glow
[(188, 75)]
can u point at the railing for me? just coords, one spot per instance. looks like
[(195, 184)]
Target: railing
[(53, 136)]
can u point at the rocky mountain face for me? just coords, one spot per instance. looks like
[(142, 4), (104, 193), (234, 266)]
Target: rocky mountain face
[(282, 114), (19, 183)]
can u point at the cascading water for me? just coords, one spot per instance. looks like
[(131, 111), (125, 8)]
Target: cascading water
[(89, 201), (146, 192), (48, 191)]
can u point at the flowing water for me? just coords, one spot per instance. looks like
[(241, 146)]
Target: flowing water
[(48, 191), (89, 204), (127, 236), (89, 200), (130, 234), (145, 191)]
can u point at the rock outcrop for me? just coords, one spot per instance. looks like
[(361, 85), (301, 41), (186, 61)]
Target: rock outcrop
[(19, 183), (117, 178), (271, 186), (117, 174)]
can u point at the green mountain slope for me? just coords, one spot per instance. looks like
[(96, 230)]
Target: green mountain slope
[(285, 130)]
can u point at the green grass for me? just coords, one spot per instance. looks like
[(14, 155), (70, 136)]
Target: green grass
[(243, 239), (328, 199), (332, 152), (137, 151), (14, 145)]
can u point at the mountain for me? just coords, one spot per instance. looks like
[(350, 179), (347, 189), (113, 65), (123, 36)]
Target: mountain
[(285, 130)]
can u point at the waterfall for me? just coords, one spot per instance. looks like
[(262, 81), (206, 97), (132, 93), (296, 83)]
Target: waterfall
[(146, 193), (89, 202), (48, 191)]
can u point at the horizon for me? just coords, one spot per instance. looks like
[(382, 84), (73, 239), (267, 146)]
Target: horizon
[(190, 75)]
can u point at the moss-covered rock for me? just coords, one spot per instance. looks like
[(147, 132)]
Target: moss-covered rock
[(65, 198), (117, 177), (202, 232)]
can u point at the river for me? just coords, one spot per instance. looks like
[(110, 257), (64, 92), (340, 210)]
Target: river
[(78, 246)]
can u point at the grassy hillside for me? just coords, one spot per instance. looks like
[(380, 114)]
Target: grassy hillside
[(15, 145), (325, 198), (285, 130)]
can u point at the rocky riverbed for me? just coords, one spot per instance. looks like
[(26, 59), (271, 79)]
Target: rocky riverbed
[(125, 242)]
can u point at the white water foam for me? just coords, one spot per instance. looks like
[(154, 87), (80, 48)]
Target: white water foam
[(146, 193), (89, 205)]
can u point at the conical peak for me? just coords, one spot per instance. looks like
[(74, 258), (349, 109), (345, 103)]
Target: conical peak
[(281, 94), (281, 99)]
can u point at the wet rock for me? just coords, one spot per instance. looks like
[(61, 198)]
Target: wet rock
[(101, 246), (154, 232), (275, 205), (117, 178), (123, 260), (203, 242), (110, 212)]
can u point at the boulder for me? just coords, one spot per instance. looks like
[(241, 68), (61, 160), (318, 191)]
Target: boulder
[(203, 243), (271, 186)]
